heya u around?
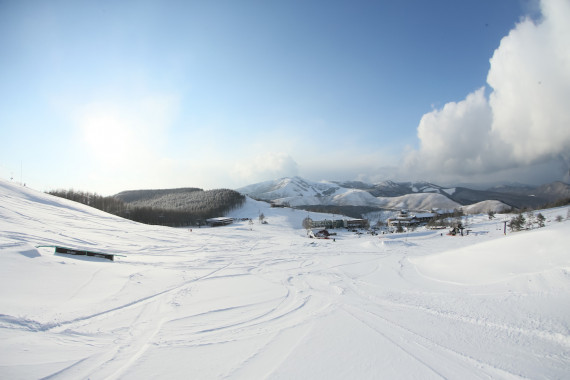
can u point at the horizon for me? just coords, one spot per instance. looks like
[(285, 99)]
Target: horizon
[(110, 97), (474, 186)]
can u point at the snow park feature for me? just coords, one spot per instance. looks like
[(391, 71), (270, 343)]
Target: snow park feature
[(78, 252), (268, 302)]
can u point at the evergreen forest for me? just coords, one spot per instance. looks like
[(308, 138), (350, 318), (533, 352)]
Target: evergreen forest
[(167, 207)]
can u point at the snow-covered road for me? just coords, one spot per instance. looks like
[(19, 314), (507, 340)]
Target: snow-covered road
[(232, 302)]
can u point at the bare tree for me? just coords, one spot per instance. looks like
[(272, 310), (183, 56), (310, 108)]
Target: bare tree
[(307, 223), (530, 220)]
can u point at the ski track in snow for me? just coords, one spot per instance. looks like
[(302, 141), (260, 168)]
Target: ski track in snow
[(267, 303)]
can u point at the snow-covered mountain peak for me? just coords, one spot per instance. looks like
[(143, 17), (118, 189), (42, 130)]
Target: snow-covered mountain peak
[(289, 187), (297, 191)]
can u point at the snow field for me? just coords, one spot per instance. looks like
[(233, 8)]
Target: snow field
[(231, 302)]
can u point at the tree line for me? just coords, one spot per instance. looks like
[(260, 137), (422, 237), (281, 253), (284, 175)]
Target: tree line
[(356, 212), (108, 204), (176, 208)]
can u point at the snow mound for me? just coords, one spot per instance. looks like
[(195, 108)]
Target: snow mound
[(525, 253)]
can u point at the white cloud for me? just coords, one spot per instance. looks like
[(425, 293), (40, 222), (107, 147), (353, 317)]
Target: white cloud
[(524, 121), (264, 167), (348, 163), (455, 138)]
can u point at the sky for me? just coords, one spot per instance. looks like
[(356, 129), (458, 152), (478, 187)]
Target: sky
[(106, 96)]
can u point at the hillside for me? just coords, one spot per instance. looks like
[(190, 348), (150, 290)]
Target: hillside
[(468, 196), (299, 192), (197, 203), (419, 201), (265, 301), (130, 196), (485, 206), (550, 192), (167, 207)]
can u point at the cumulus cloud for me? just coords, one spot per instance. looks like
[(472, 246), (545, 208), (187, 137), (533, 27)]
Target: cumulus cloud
[(524, 121)]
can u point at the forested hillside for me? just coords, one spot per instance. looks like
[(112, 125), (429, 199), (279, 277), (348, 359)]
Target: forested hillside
[(111, 205), (169, 207), (130, 196)]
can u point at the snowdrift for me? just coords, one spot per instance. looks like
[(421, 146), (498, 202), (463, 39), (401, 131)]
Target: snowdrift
[(525, 255)]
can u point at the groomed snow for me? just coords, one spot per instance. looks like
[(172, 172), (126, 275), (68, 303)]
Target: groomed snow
[(267, 302)]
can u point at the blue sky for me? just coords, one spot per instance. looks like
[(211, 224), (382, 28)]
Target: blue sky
[(113, 95)]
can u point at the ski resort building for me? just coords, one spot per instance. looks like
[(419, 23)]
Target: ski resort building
[(340, 223), (327, 223), (221, 221), (405, 219), (355, 223)]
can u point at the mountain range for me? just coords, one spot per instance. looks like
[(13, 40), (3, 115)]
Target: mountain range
[(299, 192)]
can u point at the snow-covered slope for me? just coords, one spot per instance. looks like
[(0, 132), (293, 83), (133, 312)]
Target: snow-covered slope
[(485, 207), (300, 192), (297, 191), (420, 201), (251, 300), (548, 264)]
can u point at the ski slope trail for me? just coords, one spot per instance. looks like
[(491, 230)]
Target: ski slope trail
[(265, 301)]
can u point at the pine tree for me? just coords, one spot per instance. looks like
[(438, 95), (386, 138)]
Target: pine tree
[(517, 223), (540, 219), (399, 229)]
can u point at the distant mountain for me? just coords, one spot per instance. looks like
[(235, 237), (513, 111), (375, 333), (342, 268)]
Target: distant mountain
[(419, 201), (396, 189), (484, 207), (467, 196), (299, 192), (547, 193)]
